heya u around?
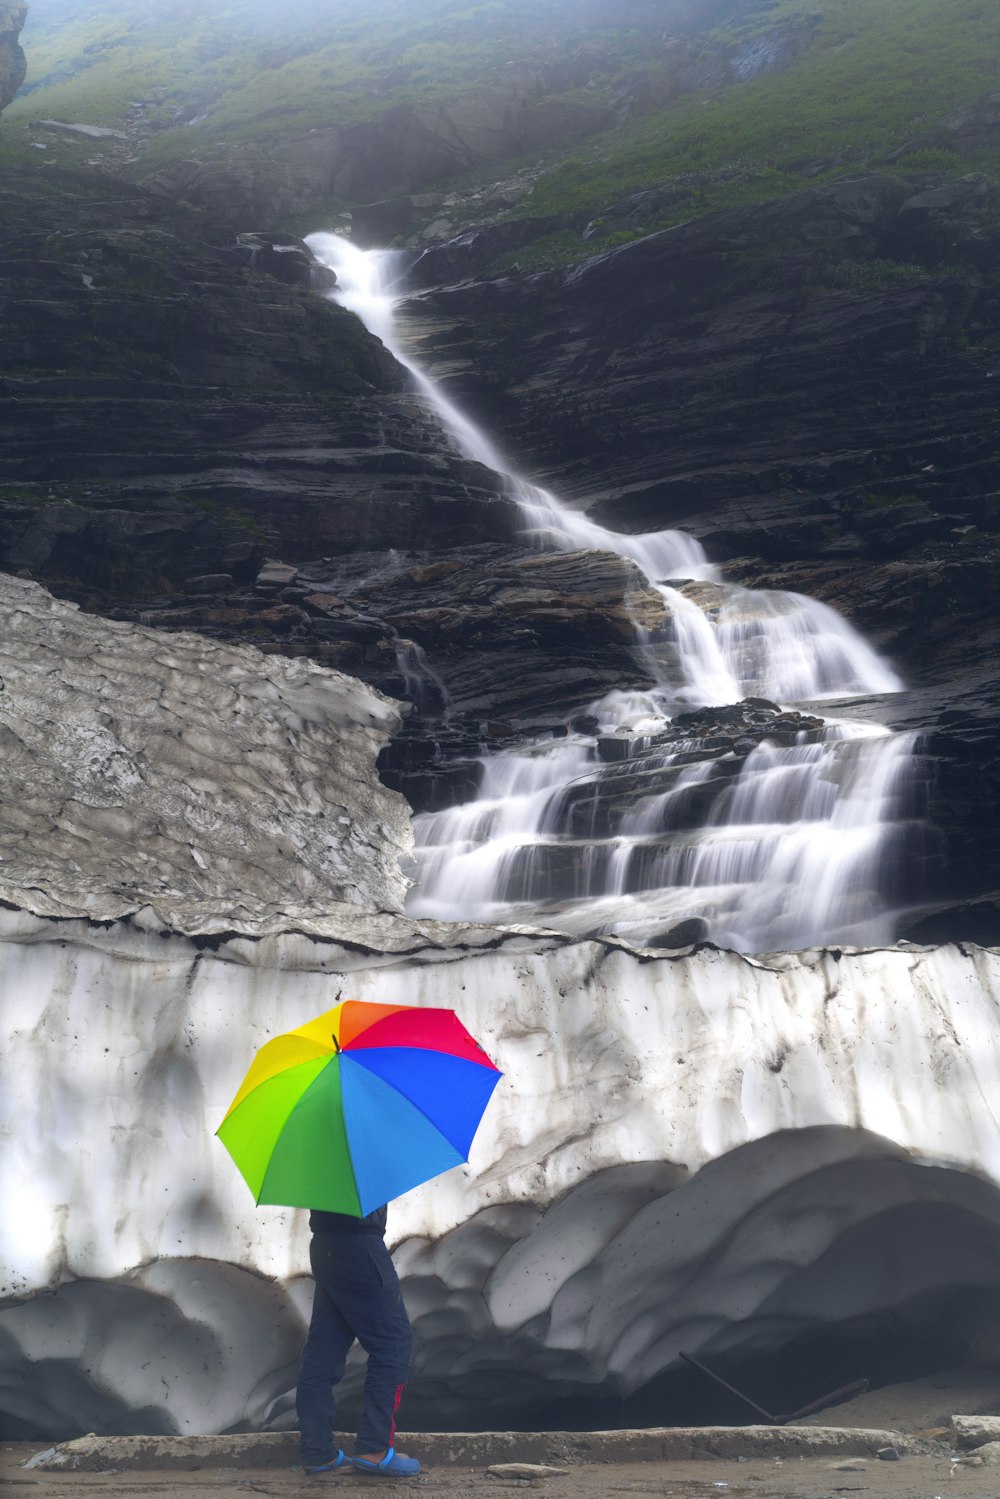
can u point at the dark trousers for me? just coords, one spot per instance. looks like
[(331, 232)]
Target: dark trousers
[(357, 1296)]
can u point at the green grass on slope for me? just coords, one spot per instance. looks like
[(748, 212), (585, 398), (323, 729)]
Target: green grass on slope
[(878, 74), (256, 71)]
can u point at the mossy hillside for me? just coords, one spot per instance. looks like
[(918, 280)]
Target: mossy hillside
[(878, 74), (253, 72), (874, 75)]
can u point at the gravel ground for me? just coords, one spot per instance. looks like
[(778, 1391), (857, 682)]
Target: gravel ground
[(923, 1477)]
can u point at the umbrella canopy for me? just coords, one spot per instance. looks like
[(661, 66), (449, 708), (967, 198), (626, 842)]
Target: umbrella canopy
[(358, 1106)]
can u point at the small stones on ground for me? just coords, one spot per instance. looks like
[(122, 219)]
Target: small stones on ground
[(887, 1455)]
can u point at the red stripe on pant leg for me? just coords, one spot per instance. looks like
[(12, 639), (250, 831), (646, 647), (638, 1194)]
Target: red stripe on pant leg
[(395, 1407)]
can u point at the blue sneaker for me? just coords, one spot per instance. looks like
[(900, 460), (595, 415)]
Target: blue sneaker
[(393, 1464), (336, 1461)]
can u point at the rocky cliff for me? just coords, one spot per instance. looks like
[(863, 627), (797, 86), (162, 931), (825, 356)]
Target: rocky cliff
[(178, 401), (13, 63), (808, 387)]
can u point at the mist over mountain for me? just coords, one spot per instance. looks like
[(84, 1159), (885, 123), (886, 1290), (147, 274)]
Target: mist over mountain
[(702, 102)]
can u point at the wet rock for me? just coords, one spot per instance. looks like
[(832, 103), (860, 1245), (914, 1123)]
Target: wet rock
[(435, 571), (684, 934), (470, 254), (515, 634), (324, 603), (209, 583), (287, 258), (274, 575)]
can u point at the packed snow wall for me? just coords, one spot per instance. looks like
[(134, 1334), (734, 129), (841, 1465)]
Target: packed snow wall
[(701, 1151), (709, 1153)]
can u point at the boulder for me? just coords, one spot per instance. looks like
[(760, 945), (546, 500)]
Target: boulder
[(975, 1431), (977, 126), (958, 221)]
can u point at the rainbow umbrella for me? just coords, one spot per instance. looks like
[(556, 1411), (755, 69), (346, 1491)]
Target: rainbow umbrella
[(357, 1106)]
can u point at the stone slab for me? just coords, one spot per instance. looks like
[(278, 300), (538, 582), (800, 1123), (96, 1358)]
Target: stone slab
[(655, 1444)]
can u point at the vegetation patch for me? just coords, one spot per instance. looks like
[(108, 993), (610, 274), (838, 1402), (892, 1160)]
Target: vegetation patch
[(863, 79), (879, 73)]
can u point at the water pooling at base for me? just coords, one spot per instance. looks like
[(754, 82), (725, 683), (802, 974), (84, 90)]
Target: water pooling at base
[(632, 829)]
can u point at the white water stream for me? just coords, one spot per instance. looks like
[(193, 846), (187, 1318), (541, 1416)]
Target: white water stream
[(791, 850)]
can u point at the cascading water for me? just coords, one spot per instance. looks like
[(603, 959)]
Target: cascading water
[(789, 843)]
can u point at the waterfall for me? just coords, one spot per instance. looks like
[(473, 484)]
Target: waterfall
[(791, 846)]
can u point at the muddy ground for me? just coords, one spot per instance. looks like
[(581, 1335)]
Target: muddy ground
[(923, 1477)]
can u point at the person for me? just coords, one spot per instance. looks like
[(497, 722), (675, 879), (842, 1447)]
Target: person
[(357, 1296)]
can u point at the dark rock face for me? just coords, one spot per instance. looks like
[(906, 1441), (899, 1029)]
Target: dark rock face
[(726, 378), (957, 222), (177, 404), (409, 147), (286, 257), (13, 64), (489, 642), (467, 256)]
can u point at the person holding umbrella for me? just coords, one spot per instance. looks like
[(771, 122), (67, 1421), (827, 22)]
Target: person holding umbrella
[(357, 1297), (340, 1116)]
